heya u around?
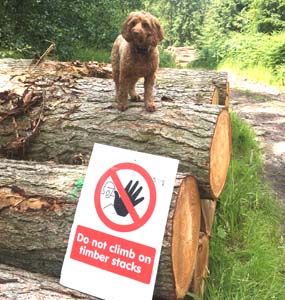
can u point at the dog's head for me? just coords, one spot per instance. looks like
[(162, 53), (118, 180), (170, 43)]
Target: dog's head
[(142, 29)]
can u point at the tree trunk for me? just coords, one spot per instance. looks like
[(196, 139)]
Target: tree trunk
[(19, 284), (36, 215), (206, 86), (195, 85), (59, 118)]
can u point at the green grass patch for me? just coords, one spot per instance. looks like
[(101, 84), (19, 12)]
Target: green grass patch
[(247, 254), (166, 59), (104, 55), (90, 54), (257, 56), (256, 72), (16, 53)]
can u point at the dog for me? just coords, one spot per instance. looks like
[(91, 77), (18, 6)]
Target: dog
[(135, 55)]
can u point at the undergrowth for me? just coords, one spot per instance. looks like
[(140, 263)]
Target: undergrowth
[(256, 56), (247, 253), (90, 54), (87, 54)]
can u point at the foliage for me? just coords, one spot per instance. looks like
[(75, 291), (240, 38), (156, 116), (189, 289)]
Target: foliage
[(32, 24), (267, 16), (246, 34), (90, 54), (166, 59), (247, 253), (266, 52), (221, 18), (181, 21)]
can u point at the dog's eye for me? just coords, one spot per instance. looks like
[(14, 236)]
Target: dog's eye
[(145, 25), (133, 23)]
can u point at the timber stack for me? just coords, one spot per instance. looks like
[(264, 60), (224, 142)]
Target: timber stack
[(50, 118)]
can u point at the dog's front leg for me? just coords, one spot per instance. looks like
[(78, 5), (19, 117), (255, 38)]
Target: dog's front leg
[(132, 90), (148, 92), (122, 96)]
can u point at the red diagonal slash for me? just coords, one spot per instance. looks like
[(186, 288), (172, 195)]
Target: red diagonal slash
[(124, 196)]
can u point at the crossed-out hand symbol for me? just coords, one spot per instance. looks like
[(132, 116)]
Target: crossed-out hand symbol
[(119, 205)]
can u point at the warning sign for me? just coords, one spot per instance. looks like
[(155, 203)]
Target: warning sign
[(117, 233)]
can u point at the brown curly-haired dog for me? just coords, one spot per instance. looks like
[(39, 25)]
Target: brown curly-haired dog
[(135, 55)]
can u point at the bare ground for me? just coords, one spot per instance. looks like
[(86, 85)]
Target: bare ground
[(263, 107)]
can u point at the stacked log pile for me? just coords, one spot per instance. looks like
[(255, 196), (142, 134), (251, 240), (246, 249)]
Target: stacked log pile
[(183, 55), (50, 121)]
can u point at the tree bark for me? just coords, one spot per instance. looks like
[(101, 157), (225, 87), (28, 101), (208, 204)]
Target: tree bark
[(73, 114), (198, 86), (36, 215), (20, 284), (189, 85)]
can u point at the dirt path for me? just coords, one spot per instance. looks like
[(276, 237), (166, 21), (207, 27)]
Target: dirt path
[(263, 107)]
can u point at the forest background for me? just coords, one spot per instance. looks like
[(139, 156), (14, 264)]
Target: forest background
[(241, 34)]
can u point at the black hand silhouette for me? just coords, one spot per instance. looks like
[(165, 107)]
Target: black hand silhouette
[(119, 205)]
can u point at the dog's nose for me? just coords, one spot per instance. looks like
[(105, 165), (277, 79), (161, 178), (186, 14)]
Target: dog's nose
[(136, 32)]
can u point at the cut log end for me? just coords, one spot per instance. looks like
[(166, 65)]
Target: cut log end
[(220, 153), (186, 226)]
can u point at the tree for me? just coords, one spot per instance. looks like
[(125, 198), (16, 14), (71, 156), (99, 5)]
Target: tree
[(181, 20), (267, 16)]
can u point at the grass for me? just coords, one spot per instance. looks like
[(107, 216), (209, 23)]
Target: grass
[(11, 54), (247, 253), (166, 60), (101, 55), (91, 54), (257, 73), (257, 56)]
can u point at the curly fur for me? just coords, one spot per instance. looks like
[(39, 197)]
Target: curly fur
[(135, 55)]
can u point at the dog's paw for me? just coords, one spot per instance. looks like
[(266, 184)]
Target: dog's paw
[(136, 98), (122, 107), (150, 107)]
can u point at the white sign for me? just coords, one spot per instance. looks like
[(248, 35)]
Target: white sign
[(116, 238)]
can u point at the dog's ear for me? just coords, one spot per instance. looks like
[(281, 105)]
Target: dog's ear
[(126, 28), (158, 34), (159, 31)]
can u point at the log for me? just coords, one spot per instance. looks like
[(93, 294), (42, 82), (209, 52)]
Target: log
[(19, 67), (60, 118), (208, 214), (209, 86), (36, 215), (186, 225), (188, 85), (201, 268), (20, 284)]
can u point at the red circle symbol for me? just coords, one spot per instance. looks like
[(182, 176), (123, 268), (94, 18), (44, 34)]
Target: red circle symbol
[(137, 221)]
